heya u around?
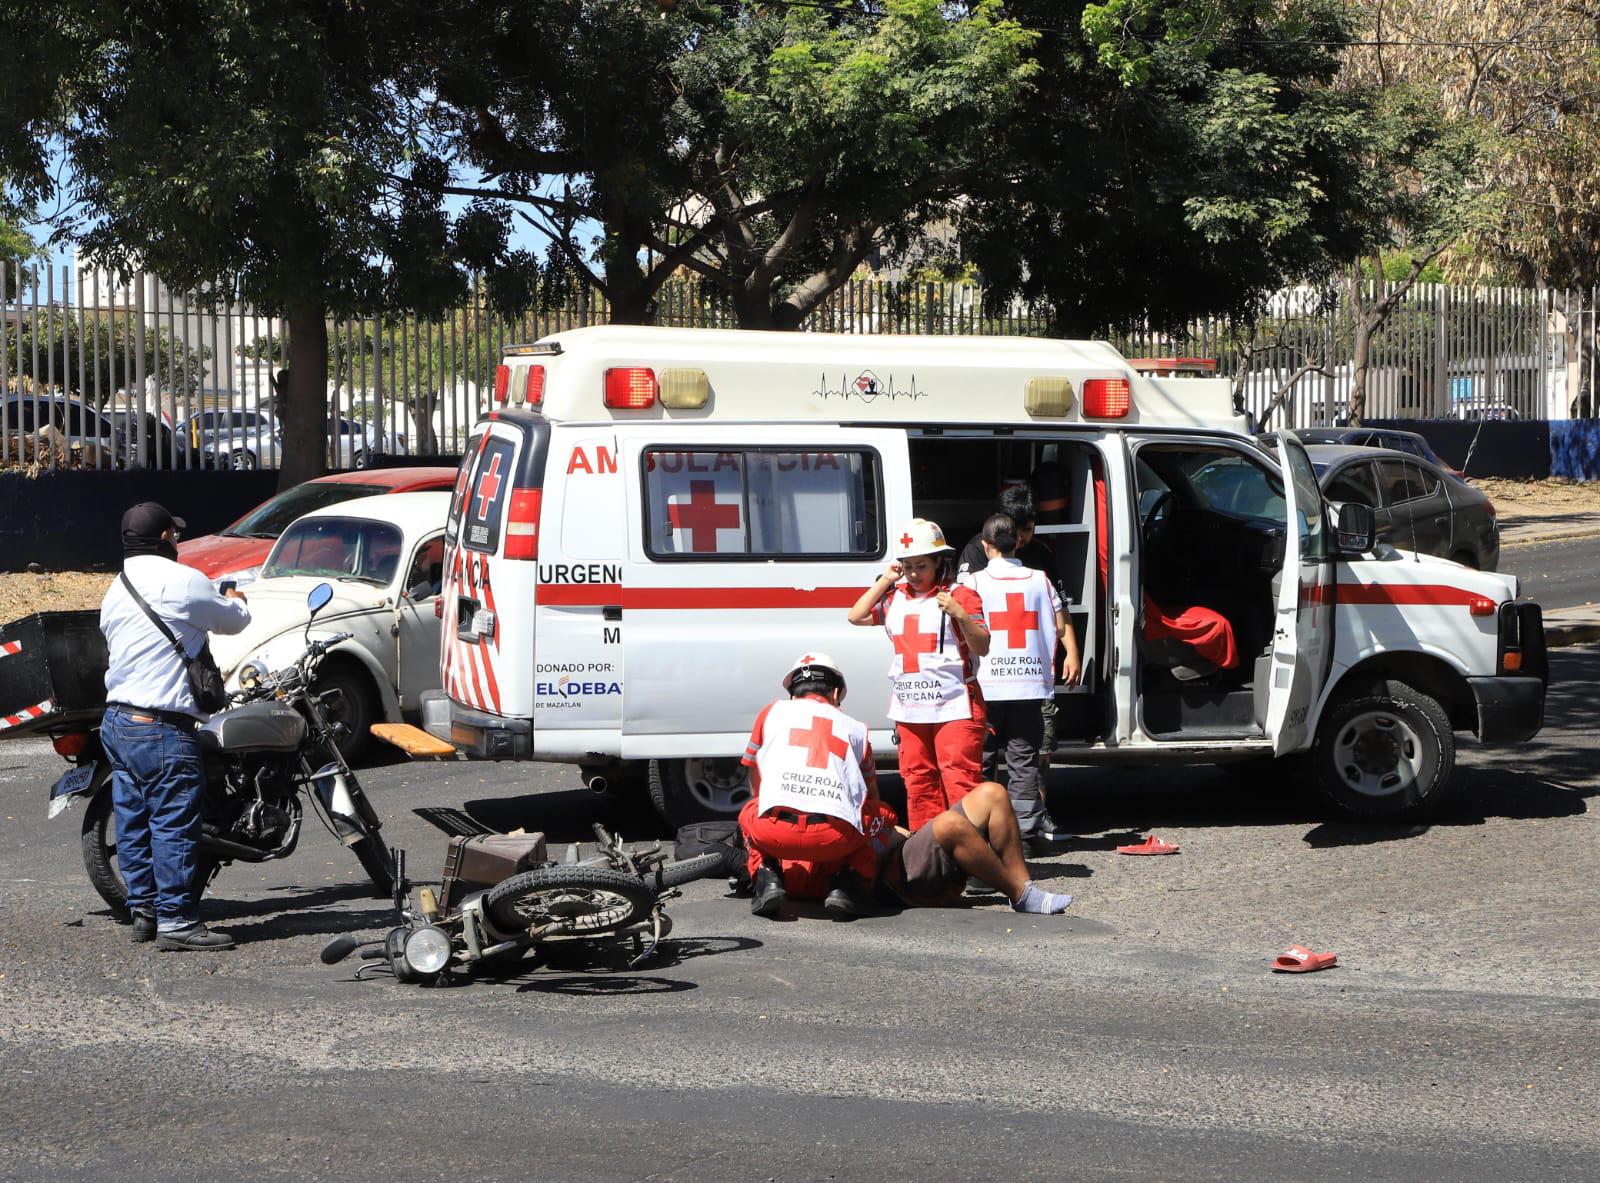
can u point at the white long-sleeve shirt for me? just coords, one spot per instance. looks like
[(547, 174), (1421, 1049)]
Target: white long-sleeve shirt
[(144, 671)]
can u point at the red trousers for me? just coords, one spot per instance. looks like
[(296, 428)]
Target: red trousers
[(809, 852), (940, 763)]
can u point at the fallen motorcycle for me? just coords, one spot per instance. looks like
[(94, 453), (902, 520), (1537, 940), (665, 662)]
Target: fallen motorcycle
[(614, 897), (274, 742)]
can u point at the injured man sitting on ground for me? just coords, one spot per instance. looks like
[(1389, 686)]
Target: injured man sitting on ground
[(979, 838)]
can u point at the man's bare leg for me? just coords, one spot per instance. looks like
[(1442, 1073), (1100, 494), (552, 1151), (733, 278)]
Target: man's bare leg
[(986, 843)]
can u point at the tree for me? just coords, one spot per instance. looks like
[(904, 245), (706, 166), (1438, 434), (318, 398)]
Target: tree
[(1175, 159), (253, 146), (767, 147)]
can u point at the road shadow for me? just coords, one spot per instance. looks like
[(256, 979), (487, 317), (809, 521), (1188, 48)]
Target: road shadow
[(568, 815)]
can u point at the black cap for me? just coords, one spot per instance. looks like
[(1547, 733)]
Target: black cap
[(149, 519)]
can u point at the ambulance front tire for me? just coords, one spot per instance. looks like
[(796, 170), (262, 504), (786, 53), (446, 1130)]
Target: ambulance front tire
[(1384, 752), (698, 789)]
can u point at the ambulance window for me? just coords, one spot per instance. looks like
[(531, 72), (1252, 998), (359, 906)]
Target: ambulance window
[(458, 496), (486, 495), (766, 502)]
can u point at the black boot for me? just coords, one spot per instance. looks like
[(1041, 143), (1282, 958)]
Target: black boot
[(144, 927), (195, 937), (847, 896), (767, 894)]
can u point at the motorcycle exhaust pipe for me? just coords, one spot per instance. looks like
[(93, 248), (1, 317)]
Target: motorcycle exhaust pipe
[(595, 782)]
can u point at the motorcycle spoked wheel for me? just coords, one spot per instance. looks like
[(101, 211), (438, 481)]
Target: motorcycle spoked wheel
[(589, 900), (98, 841)]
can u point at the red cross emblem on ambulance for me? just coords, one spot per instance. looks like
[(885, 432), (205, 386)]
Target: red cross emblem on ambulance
[(489, 487), (703, 515), (819, 742)]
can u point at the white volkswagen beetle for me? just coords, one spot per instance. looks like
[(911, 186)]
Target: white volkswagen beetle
[(385, 559)]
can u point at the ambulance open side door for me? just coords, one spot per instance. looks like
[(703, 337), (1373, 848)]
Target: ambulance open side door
[(747, 545), (1302, 644)]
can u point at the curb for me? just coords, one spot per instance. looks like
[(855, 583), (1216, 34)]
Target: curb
[(1580, 632), (1555, 536)]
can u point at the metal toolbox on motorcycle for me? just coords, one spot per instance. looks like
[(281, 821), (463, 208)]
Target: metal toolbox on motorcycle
[(52, 672), (476, 862)]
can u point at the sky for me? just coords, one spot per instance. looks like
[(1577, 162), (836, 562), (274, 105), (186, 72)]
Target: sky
[(523, 236)]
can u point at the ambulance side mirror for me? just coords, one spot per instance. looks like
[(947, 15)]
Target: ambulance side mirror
[(1357, 528)]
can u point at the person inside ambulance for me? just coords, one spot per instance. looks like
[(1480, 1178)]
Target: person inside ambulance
[(938, 633), (809, 826), (1018, 674), (977, 839)]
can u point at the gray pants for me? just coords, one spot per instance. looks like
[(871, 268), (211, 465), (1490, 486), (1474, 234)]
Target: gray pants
[(1016, 730)]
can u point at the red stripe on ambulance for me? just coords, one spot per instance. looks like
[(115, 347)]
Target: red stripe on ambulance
[(588, 595), (1434, 595)]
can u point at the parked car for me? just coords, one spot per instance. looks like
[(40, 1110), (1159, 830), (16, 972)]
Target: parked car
[(359, 443), (1376, 437), (1417, 506), (1495, 411), (235, 438), (238, 552), (385, 558)]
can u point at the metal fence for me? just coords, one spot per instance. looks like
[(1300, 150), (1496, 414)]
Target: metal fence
[(102, 371)]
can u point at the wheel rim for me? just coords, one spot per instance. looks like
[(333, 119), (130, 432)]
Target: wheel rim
[(581, 909), (721, 784), (242, 461), (1378, 754)]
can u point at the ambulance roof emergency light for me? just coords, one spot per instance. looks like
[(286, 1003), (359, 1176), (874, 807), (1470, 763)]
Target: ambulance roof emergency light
[(685, 389), (632, 388), (1047, 397), (1107, 398), (502, 383), (533, 387)]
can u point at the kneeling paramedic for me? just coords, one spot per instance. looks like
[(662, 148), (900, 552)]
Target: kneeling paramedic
[(816, 803), (938, 632), (979, 838), (155, 619)]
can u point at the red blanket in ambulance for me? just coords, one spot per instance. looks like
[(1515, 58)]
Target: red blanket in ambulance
[(1205, 630)]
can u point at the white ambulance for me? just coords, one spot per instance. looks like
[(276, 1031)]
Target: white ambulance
[(653, 522)]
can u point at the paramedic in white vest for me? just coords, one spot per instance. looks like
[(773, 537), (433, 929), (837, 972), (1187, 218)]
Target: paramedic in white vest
[(938, 633), (815, 810), (149, 727), (1025, 617)]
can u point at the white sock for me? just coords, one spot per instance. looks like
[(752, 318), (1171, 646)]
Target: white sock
[(1041, 902)]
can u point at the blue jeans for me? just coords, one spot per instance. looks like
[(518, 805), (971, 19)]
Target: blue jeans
[(156, 783)]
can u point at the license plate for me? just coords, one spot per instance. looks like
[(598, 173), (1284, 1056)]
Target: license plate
[(68, 788)]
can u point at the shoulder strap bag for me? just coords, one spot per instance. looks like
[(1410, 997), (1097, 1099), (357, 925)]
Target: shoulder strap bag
[(205, 679)]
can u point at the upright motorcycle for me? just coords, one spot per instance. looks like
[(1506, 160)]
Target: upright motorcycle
[(274, 744)]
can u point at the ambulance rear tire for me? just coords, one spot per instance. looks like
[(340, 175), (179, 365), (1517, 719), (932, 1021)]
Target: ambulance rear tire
[(698, 789), (1384, 752)]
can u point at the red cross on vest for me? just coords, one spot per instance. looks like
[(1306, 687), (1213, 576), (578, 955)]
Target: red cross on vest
[(702, 515), (911, 642), (489, 487), (818, 742), (1014, 621)]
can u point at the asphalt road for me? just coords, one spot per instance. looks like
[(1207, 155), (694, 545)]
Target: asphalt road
[(1564, 574), (1140, 1036)]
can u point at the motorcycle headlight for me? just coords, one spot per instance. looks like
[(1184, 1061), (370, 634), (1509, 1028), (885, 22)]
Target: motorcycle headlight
[(427, 949), (241, 577), (252, 674)]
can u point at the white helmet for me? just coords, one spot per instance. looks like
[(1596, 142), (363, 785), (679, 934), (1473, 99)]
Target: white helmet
[(814, 662), (920, 537)]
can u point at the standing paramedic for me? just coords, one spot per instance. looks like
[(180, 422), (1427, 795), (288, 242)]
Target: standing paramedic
[(816, 803), (1025, 617), (150, 720), (938, 633)]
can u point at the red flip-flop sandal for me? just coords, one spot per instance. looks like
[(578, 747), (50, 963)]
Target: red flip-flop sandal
[(1151, 845), (1297, 959)]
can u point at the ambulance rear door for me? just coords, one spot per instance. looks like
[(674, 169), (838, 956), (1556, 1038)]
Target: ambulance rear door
[(491, 546), (747, 546), (1302, 646)]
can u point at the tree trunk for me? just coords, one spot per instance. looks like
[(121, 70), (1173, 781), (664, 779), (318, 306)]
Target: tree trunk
[(305, 405), (1360, 358)]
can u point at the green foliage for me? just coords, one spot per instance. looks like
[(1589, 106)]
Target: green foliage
[(16, 246)]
